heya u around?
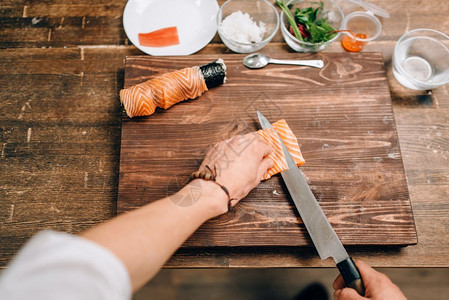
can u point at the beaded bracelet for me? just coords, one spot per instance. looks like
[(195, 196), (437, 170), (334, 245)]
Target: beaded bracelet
[(212, 176)]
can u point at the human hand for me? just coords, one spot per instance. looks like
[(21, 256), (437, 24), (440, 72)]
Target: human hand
[(377, 286), (239, 163)]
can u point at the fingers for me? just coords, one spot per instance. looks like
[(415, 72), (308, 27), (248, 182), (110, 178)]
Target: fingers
[(368, 273), (373, 281), (265, 165), (233, 202), (240, 143), (376, 282), (258, 144), (262, 146), (339, 283), (347, 294), (266, 150), (365, 271), (249, 149)]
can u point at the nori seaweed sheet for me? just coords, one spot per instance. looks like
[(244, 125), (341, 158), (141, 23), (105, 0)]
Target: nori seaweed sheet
[(214, 74)]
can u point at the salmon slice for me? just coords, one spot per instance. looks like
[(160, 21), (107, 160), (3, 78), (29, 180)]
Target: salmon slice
[(160, 38), (163, 91), (278, 157)]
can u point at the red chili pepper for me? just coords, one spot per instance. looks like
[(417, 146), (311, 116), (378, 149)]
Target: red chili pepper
[(304, 32), (302, 29)]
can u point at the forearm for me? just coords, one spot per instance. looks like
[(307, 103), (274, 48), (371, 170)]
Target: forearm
[(145, 238)]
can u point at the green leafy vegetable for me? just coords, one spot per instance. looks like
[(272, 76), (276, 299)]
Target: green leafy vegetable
[(310, 22), (290, 18)]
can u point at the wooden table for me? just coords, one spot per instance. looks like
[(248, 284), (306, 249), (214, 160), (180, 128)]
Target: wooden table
[(60, 72)]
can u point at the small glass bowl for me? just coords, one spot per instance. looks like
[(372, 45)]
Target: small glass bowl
[(421, 59), (363, 22), (335, 19), (260, 11)]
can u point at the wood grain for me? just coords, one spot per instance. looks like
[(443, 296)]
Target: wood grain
[(349, 141), (75, 113), (27, 24)]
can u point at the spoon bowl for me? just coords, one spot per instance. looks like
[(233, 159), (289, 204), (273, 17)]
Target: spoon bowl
[(260, 60)]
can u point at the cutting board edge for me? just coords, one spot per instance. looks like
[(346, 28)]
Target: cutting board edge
[(412, 241)]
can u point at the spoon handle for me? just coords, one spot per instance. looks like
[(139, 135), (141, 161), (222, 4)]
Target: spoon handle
[(311, 63)]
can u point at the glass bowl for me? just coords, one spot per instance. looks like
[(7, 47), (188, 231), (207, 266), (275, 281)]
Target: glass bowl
[(335, 18), (260, 11), (421, 59)]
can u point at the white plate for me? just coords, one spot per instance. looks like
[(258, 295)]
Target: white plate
[(195, 20)]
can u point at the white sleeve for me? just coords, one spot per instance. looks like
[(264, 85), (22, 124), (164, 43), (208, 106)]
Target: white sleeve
[(55, 265)]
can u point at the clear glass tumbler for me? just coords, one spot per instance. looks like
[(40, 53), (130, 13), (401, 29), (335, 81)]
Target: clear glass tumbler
[(421, 59)]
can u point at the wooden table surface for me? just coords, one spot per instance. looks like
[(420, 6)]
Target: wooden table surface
[(61, 67)]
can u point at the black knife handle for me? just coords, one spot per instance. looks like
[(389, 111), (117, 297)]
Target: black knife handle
[(351, 275)]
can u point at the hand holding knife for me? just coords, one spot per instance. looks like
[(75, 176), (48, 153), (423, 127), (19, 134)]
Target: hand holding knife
[(320, 230)]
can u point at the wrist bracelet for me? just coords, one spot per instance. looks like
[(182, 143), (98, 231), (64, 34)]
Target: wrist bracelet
[(212, 176)]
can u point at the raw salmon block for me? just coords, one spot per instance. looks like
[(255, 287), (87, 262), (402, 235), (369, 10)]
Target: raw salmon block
[(168, 89), (271, 138)]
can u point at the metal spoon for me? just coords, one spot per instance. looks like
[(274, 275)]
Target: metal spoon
[(259, 60)]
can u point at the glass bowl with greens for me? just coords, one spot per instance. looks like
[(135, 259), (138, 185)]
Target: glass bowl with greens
[(317, 23)]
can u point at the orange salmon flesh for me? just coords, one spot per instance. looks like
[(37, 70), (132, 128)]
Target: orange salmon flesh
[(270, 138)]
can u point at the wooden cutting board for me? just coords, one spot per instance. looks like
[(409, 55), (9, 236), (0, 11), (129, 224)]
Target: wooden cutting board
[(342, 116)]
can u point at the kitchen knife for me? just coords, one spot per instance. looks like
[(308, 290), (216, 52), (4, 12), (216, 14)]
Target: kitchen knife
[(320, 230)]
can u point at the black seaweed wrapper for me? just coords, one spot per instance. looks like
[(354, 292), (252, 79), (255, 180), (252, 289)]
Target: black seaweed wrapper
[(214, 74)]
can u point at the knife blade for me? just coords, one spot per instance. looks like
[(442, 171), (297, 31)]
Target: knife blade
[(320, 230)]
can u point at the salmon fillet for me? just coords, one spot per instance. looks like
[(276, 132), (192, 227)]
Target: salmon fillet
[(278, 157), (163, 91), (163, 37)]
